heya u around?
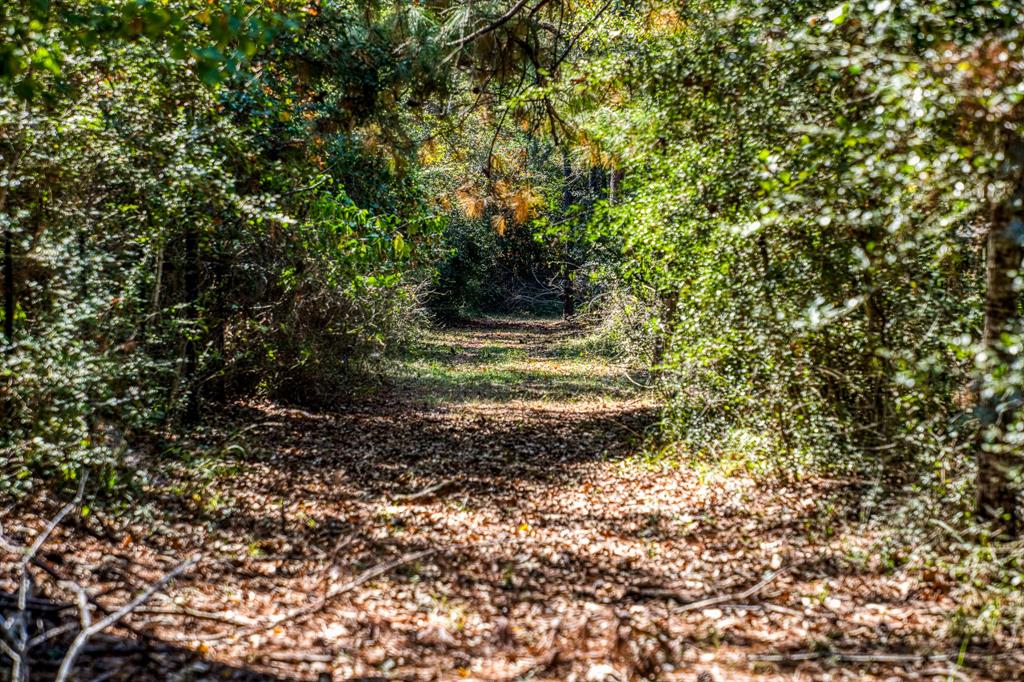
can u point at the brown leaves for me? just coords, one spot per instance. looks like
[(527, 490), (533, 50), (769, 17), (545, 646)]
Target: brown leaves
[(560, 557), (472, 205), (525, 204), (512, 202), (499, 224)]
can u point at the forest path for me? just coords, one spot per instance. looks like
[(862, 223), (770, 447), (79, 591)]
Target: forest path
[(486, 516)]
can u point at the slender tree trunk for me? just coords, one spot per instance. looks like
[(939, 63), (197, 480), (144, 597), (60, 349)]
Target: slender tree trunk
[(9, 284), (9, 244), (879, 368), (568, 295), (158, 277), (192, 301), (998, 463), (83, 266), (614, 184), (146, 294), (220, 276), (669, 308)]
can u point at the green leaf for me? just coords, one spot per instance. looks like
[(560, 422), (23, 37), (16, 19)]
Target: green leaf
[(837, 15)]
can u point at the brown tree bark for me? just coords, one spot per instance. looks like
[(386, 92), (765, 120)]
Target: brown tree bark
[(668, 308), (9, 284), (9, 300), (192, 301), (998, 465), (220, 286), (614, 185), (568, 267)]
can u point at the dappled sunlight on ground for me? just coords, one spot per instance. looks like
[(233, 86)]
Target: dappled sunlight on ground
[(499, 362), (459, 525)]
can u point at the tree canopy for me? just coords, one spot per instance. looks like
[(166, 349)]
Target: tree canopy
[(800, 223)]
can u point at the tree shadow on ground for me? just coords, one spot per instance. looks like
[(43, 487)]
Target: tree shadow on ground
[(511, 384), (107, 657), (550, 547)]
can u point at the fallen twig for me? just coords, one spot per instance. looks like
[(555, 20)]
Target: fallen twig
[(8, 600), (298, 657), (767, 606), (302, 612), (686, 605), (855, 657), (53, 523), (426, 493), (83, 636), (14, 631), (849, 657), (197, 614)]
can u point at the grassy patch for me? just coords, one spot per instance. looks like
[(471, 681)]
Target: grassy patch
[(544, 362)]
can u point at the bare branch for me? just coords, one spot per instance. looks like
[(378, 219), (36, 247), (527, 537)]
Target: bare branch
[(12, 654), (15, 629), (83, 636), (54, 522), (50, 634), (709, 601), (498, 23), (303, 612)]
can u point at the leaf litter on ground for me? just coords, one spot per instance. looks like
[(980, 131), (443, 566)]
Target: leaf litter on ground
[(483, 516)]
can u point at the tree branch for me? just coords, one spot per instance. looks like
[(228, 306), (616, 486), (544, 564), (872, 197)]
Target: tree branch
[(498, 23), (83, 636)]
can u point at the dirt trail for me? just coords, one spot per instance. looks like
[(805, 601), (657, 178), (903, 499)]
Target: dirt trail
[(483, 516)]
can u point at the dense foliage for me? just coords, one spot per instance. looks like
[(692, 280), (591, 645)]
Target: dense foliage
[(194, 208), (824, 202), (809, 191), (819, 207)]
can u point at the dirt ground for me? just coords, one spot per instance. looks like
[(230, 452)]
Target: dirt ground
[(483, 515)]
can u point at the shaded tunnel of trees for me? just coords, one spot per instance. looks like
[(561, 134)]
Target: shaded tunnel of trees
[(797, 225)]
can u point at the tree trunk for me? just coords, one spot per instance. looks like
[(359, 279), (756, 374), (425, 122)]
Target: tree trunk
[(614, 183), (9, 245), (83, 266), (192, 308), (998, 463), (9, 284), (220, 284), (568, 298), (669, 308), (568, 268)]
